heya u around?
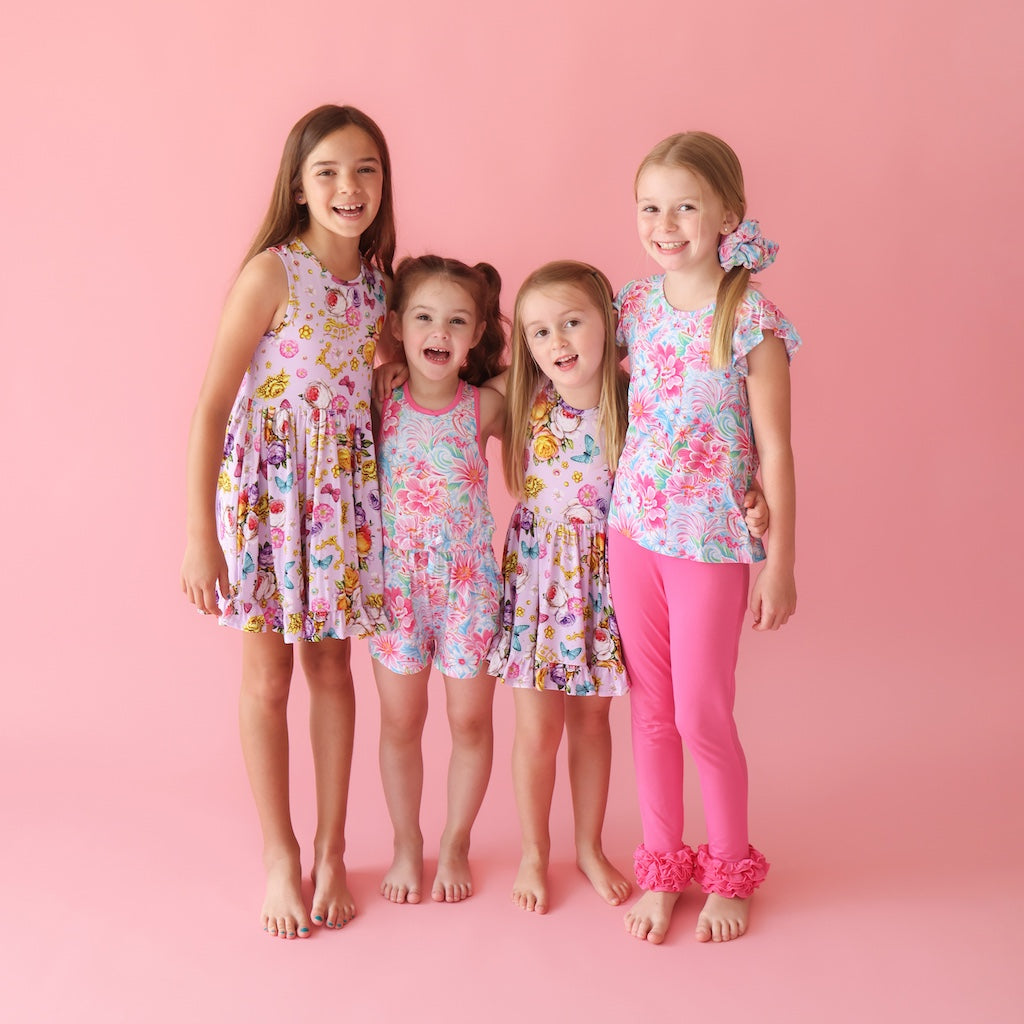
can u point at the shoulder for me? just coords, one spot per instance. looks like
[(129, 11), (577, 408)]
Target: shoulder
[(265, 270), (757, 316), (636, 293)]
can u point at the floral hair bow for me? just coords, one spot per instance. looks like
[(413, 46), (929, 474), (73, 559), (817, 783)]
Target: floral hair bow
[(747, 247)]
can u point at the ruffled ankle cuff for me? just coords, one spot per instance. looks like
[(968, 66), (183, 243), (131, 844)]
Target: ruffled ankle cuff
[(663, 872), (737, 878)]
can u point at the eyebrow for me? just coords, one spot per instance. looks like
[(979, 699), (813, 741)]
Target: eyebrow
[(678, 199), (433, 309), (359, 160), (574, 311)]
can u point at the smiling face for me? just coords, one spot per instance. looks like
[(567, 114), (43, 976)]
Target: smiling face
[(341, 185), (680, 219), (565, 333), (438, 326)]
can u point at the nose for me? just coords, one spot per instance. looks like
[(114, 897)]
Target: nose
[(347, 182), (667, 221)]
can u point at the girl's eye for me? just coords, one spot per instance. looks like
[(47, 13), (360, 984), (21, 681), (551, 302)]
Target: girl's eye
[(458, 321), (649, 209), (367, 170), (422, 317), (539, 335), (572, 323), (325, 173)]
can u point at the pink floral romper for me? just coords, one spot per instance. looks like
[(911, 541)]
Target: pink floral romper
[(441, 583)]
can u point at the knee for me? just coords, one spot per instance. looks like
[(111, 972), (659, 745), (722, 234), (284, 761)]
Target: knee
[(268, 682), (471, 727), (327, 668)]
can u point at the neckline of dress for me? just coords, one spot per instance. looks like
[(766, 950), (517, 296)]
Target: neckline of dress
[(559, 400), (306, 251)]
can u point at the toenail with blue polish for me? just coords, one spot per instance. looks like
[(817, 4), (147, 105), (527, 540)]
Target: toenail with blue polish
[(303, 931), (317, 918)]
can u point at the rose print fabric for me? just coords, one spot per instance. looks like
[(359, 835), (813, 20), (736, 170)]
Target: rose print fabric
[(298, 511), (441, 582), (558, 630), (689, 455)]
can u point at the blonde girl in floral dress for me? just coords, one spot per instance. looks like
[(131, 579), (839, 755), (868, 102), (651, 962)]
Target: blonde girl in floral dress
[(441, 583), (283, 521), (708, 405), (559, 644)]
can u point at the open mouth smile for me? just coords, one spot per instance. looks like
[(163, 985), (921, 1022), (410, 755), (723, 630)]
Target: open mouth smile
[(437, 355)]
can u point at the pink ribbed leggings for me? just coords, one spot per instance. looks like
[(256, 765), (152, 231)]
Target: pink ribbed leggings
[(680, 626)]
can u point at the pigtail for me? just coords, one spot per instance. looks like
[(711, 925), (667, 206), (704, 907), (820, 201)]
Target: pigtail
[(486, 358), (731, 291)]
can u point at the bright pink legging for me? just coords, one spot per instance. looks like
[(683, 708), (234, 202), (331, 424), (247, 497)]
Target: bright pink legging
[(680, 626)]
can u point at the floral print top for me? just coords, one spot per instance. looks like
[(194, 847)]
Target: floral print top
[(689, 455), (298, 512)]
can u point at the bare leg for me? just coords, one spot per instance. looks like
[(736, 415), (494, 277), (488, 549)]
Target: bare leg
[(590, 765), (540, 717), (332, 717), (471, 722), (403, 711), (263, 724)]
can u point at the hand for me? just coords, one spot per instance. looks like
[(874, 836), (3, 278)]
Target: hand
[(757, 514), (203, 572), (773, 598), (387, 377)]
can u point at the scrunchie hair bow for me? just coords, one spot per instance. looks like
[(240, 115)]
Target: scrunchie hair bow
[(747, 247)]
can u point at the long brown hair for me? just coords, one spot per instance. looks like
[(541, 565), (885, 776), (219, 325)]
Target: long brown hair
[(286, 218), (483, 283), (525, 376), (717, 166)]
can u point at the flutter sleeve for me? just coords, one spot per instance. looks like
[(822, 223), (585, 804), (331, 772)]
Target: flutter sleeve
[(628, 304), (756, 315)]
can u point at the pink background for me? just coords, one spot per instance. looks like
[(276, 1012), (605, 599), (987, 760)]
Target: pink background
[(881, 143)]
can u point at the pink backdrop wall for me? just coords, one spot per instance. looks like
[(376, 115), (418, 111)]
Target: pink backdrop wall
[(881, 144)]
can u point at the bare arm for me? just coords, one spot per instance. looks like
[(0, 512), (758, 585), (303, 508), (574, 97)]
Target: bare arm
[(773, 598), (492, 412), (256, 302)]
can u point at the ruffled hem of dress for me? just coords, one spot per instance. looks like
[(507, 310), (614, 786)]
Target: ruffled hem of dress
[(663, 872), (735, 878), (523, 671), (294, 626)]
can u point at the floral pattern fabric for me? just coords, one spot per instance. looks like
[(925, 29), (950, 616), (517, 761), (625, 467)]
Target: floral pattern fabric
[(558, 630), (689, 455), (298, 511), (441, 582)]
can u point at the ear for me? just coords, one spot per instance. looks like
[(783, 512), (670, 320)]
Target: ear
[(395, 323), (300, 197), (730, 222)]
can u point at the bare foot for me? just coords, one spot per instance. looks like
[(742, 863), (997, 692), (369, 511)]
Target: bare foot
[(649, 917), (333, 904), (283, 913), (609, 882), (723, 918), (530, 889), (404, 881), (453, 882)]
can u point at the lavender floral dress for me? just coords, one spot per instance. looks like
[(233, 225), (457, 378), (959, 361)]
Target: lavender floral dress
[(558, 630), (298, 511)]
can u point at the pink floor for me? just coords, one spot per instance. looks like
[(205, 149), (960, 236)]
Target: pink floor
[(894, 893)]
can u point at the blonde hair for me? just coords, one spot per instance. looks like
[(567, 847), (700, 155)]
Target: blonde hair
[(286, 218), (483, 283), (714, 162), (525, 377)]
